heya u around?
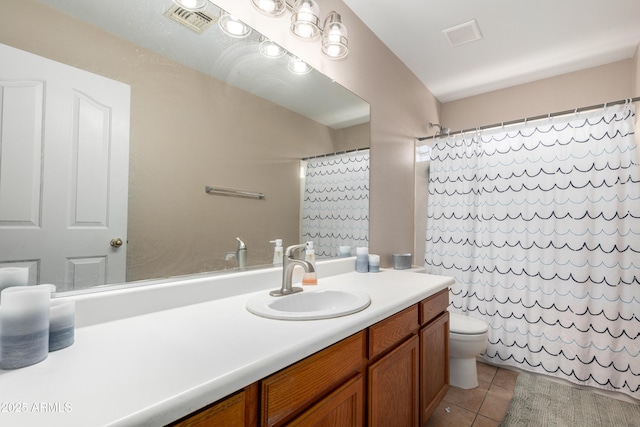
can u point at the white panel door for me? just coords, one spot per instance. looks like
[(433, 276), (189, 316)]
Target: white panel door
[(64, 166)]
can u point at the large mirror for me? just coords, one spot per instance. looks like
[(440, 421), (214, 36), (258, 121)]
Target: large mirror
[(204, 110)]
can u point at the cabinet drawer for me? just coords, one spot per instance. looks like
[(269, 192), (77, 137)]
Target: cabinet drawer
[(291, 390), (431, 307), (389, 332)]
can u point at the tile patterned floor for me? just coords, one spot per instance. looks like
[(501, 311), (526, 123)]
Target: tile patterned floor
[(484, 406)]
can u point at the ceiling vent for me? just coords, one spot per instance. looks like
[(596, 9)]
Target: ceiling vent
[(463, 33), (197, 22)]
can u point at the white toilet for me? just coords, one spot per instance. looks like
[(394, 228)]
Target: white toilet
[(468, 338)]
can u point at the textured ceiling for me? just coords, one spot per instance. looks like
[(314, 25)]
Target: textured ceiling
[(522, 40)]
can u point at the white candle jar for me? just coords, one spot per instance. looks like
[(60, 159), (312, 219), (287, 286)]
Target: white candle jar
[(24, 326), (61, 324), (374, 263), (362, 259)]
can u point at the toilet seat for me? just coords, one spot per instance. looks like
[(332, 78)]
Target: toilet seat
[(464, 325)]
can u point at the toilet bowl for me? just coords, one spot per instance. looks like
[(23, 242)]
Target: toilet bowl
[(468, 338)]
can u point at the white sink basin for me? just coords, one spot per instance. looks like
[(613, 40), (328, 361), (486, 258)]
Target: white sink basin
[(309, 305)]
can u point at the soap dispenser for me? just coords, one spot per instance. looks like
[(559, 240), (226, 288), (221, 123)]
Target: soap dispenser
[(277, 251), (310, 278), (241, 254)]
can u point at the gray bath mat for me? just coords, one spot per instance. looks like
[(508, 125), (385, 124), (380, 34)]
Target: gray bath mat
[(539, 402)]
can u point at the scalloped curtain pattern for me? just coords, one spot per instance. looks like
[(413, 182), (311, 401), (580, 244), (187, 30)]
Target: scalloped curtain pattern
[(540, 227), (336, 202)]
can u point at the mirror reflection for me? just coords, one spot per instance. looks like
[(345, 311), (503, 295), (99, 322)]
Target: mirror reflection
[(191, 110)]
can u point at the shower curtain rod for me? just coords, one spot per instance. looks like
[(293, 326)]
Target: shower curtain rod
[(526, 119), (335, 153)]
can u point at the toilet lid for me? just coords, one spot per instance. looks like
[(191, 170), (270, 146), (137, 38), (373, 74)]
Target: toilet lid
[(461, 324)]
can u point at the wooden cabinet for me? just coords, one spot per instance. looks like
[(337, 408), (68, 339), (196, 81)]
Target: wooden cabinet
[(290, 391), (393, 387), (388, 333), (408, 383), (393, 373), (434, 353), (237, 410), (342, 408)]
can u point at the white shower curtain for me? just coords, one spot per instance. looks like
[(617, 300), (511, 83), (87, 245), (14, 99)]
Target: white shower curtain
[(336, 202), (540, 227)]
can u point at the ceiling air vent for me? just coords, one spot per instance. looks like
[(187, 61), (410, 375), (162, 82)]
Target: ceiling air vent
[(197, 22), (463, 33)]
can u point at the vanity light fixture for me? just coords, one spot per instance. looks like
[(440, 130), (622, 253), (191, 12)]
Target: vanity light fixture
[(334, 37), (271, 49), (232, 26), (298, 66), (192, 5), (305, 24), (270, 7), (305, 20)]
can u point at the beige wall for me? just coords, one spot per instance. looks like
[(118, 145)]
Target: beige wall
[(187, 131), (592, 86), (351, 138)]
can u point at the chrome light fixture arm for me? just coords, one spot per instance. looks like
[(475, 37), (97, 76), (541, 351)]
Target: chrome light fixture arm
[(305, 24)]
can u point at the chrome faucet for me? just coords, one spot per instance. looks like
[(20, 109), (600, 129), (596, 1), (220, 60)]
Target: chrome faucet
[(288, 264), (240, 255)]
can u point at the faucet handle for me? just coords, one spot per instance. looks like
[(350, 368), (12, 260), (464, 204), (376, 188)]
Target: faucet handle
[(290, 249)]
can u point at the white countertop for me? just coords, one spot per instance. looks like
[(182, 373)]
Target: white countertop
[(153, 368)]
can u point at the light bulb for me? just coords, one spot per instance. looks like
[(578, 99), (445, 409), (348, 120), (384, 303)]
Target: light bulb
[(304, 20), (271, 49), (270, 7), (192, 5), (233, 26), (298, 66)]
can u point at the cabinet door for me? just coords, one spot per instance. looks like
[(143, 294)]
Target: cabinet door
[(393, 387), (342, 408), (434, 365), (228, 412)]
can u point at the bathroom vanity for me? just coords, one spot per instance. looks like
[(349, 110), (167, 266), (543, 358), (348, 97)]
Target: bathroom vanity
[(404, 360), (190, 351)]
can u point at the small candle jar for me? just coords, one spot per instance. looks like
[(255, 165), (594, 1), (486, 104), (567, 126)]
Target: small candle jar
[(374, 263), (344, 251), (61, 324), (24, 326), (362, 260), (13, 276)]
